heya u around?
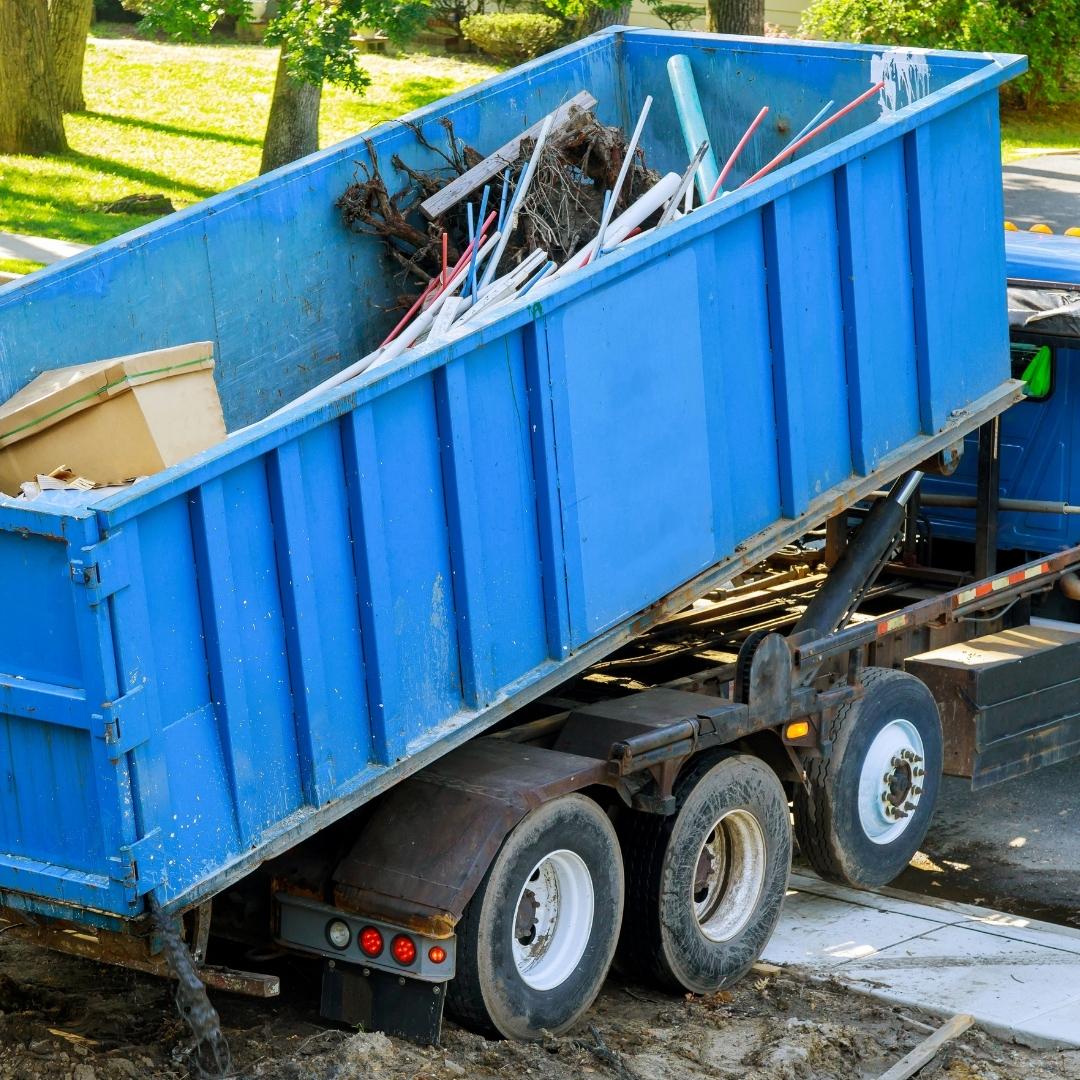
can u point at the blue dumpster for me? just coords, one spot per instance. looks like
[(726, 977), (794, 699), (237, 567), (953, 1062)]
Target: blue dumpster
[(1040, 444), (202, 670)]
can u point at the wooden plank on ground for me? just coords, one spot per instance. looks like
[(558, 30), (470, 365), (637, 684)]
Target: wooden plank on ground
[(494, 164), (925, 1052)]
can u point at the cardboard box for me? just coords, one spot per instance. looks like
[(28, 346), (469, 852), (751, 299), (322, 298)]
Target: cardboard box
[(113, 420)]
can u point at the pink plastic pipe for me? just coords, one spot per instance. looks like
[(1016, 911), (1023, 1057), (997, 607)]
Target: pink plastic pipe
[(799, 144), (740, 146)]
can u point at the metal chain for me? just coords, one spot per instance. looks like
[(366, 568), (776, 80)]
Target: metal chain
[(212, 1057)]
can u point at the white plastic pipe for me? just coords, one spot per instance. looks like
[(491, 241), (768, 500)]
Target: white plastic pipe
[(685, 186), (628, 160), (626, 222), (519, 198), (502, 287), (425, 321)]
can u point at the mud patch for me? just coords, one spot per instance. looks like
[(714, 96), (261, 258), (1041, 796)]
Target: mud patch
[(70, 1019)]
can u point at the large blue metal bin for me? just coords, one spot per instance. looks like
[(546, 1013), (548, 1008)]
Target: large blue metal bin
[(201, 671), (1040, 439)]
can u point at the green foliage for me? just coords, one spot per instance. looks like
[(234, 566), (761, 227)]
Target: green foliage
[(675, 16), (1047, 30), (512, 37), (188, 20), (315, 35)]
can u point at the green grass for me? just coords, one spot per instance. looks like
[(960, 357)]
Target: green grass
[(1048, 129), (19, 266), (187, 121)]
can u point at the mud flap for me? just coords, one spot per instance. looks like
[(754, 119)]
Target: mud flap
[(371, 1000)]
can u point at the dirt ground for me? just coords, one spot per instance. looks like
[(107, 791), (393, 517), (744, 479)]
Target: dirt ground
[(74, 1020)]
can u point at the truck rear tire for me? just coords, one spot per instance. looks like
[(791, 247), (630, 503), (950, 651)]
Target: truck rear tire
[(872, 795), (705, 886), (537, 939)]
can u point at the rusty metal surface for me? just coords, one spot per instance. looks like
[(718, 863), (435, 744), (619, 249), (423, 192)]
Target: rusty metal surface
[(138, 950), (428, 844), (247, 983)]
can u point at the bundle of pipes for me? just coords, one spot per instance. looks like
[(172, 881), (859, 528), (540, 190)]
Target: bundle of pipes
[(457, 299)]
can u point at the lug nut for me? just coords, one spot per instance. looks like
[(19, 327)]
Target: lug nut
[(918, 772), (916, 790), (909, 805)]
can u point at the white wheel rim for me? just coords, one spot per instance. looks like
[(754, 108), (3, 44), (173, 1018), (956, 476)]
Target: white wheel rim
[(553, 920), (729, 875), (891, 781)]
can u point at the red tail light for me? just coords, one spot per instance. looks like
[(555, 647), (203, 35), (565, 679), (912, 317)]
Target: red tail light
[(371, 941), (403, 949), (436, 954)]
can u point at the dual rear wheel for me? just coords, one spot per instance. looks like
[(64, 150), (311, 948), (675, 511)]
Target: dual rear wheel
[(702, 892)]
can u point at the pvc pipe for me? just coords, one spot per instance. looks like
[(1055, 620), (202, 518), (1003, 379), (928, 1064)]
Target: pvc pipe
[(793, 147), (501, 288), (624, 170), (519, 198), (692, 120), (479, 217), (502, 200), (685, 183), (734, 156), (428, 290), (472, 243), (537, 277), (625, 223), (420, 325), (819, 115)]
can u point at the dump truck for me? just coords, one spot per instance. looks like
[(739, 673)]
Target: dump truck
[(309, 686)]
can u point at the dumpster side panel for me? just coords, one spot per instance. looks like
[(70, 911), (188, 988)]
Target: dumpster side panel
[(879, 320), (635, 461), (960, 304), (739, 313), (62, 785)]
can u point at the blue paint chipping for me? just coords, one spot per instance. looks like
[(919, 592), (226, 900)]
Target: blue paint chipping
[(232, 654)]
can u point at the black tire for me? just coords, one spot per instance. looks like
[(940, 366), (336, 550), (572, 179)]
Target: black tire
[(834, 836), (489, 992), (729, 798)]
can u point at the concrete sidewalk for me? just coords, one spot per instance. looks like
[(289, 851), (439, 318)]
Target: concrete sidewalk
[(37, 248), (1019, 978)]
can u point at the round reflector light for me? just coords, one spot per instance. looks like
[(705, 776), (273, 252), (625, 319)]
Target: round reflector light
[(371, 941), (436, 954), (403, 949), (338, 933)]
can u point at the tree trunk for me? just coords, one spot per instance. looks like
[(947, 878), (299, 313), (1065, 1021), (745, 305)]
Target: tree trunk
[(736, 16), (69, 23), (293, 128), (597, 18), (30, 117)]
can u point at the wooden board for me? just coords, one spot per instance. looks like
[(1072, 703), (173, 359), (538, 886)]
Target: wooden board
[(491, 166)]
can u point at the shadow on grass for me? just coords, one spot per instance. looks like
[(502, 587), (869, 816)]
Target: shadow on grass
[(415, 93), (172, 129), (129, 172)]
